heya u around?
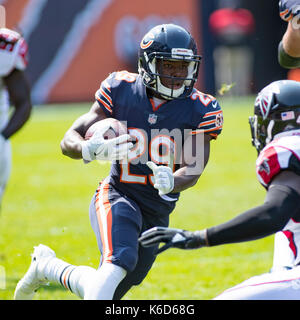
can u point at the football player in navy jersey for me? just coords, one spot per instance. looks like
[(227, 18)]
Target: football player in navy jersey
[(275, 129), (289, 46), (170, 126)]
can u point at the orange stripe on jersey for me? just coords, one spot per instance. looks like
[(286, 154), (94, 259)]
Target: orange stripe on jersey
[(106, 95), (209, 114), (197, 131), (105, 105), (206, 123), (284, 12), (104, 218), (105, 85)]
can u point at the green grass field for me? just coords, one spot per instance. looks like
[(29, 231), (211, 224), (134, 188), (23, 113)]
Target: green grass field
[(48, 196)]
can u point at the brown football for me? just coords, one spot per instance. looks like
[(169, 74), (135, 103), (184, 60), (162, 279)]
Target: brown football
[(116, 128)]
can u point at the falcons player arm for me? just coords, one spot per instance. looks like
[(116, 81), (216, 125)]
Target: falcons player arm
[(71, 144), (281, 204), (288, 178), (195, 157), (19, 93)]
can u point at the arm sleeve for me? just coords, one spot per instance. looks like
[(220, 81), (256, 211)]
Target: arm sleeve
[(208, 116), (285, 60), (104, 96), (281, 204)]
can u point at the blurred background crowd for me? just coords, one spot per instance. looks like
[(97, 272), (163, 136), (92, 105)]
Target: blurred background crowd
[(74, 45)]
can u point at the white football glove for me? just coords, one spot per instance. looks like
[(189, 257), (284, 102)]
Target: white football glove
[(98, 148), (163, 178)]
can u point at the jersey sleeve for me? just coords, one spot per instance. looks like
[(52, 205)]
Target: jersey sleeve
[(104, 96), (208, 115), (111, 88), (275, 158)]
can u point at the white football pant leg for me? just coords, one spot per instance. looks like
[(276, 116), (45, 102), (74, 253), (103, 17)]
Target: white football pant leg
[(283, 255), (279, 285), (104, 282), (5, 166)]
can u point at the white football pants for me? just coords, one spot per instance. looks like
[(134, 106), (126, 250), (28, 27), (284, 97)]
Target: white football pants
[(280, 284), (276, 285), (5, 166)]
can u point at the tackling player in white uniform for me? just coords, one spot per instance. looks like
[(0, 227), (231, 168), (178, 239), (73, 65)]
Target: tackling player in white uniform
[(14, 89), (275, 130)]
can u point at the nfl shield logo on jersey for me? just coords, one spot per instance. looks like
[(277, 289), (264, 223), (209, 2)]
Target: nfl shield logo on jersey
[(152, 118)]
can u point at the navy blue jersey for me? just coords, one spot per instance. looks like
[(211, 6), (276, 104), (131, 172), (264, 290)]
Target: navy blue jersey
[(123, 96)]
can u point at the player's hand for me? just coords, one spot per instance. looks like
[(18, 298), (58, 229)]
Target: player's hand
[(98, 148), (289, 9), (173, 238), (163, 178)]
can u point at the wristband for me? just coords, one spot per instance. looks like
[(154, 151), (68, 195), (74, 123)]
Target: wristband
[(285, 60)]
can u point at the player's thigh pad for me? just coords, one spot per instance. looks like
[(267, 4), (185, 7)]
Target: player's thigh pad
[(117, 222)]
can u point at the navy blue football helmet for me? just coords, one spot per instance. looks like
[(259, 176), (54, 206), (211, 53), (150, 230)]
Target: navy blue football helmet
[(276, 110), (168, 42)]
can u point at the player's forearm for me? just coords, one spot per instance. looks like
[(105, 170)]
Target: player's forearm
[(281, 204), (289, 48), (19, 117), (71, 145), (183, 180), (291, 41)]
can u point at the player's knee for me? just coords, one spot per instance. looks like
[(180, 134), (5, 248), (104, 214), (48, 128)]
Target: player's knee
[(140, 273), (127, 258)]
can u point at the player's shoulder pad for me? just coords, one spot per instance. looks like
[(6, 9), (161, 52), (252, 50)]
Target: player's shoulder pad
[(9, 35), (277, 156), (119, 77), (208, 113), (13, 51), (104, 95)]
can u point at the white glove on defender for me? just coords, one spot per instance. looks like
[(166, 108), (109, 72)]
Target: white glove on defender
[(98, 148), (163, 178)]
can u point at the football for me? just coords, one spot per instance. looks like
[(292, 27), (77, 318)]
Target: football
[(116, 128)]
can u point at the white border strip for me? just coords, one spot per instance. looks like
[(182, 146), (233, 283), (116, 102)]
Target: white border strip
[(72, 43), (31, 17)]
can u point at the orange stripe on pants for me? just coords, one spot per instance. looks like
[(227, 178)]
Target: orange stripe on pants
[(104, 218)]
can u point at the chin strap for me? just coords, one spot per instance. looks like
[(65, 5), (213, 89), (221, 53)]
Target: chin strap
[(166, 92)]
